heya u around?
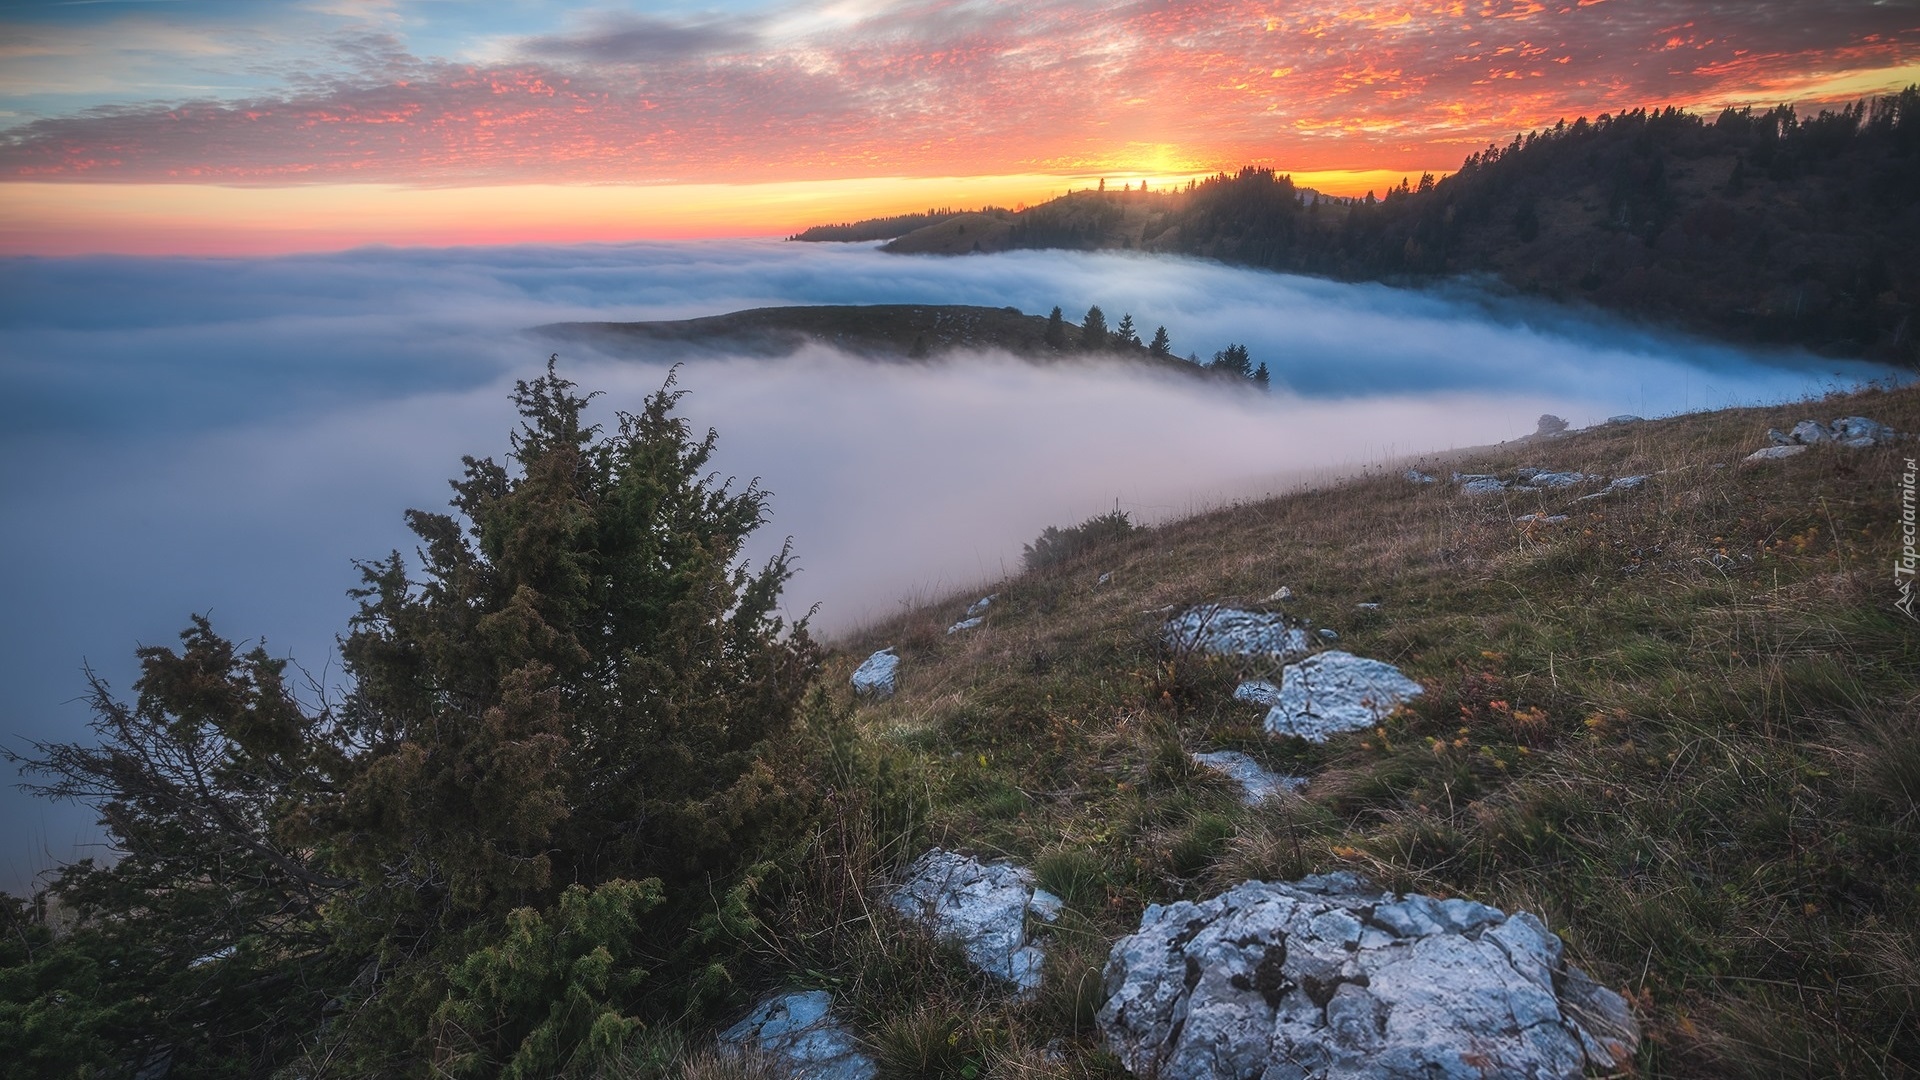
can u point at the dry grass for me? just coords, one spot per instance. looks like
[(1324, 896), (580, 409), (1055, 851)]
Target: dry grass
[(1678, 726)]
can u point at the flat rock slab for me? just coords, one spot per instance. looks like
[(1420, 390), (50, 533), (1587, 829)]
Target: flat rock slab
[(1326, 978), (1775, 453), (1225, 631), (983, 908), (798, 1031), (966, 624), (877, 676), (1337, 691), (1257, 782)]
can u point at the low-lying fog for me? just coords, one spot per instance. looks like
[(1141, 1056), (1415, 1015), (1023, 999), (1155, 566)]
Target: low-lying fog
[(224, 436)]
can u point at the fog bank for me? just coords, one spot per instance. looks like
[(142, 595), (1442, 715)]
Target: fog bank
[(225, 436)]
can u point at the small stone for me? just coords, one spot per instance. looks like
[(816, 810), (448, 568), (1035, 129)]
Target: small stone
[(1775, 453), (966, 624), (1415, 476), (798, 1031), (1335, 691), (1257, 692), (1540, 517), (1623, 418), (1279, 594), (980, 606), (1257, 783), (1328, 634), (1104, 578), (1627, 483), (1367, 605), (877, 677), (1778, 437)]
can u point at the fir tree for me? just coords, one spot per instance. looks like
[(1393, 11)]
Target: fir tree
[(1093, 330), (1124, 335), (1056, 336), (1162, 345)]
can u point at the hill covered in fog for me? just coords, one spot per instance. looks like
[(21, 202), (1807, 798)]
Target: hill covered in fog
[(1760, 227)]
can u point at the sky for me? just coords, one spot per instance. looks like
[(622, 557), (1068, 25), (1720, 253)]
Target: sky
[(242, 127), (227, 435)]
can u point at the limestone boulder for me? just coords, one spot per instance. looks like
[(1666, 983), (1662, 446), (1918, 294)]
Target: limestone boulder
[(1336, 691), (878, 676), (1326, 978), (798, 1032), (1225, 631), (981, 907)]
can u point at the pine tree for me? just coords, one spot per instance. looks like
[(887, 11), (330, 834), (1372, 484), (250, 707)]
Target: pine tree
[(1093, 330), (1056, 336), (1162, 345), (1232, 360), (1260, 375), (566, 716), (1124, 335)]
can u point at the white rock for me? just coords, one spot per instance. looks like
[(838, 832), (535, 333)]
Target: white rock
[(1540, 517), (1104, 578), (1810, 432), (1778, 437), (798, 1031), (1623, 418), (1627, 483), (1257, 783), (1775, 453), (1557, 480), (1849, 428), (1279, 594), (877, 676), (1256, 692), (1336, 691), (1325, 978), (1224, 631), (1482, 485), (982, 907), (1367, 605), (1328, 634), (1415, 476), (980, 606), (966, 624)]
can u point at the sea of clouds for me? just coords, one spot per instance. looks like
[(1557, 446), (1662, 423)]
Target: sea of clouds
[(189, 435)]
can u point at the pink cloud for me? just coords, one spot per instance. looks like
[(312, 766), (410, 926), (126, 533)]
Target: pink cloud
[(960, 88)]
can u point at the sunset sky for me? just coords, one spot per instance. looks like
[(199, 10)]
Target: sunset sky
[(238, 126)]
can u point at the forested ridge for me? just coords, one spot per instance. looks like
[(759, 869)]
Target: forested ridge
[(1754, 226)]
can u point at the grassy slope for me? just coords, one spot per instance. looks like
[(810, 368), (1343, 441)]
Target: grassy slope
[(1680, 727)]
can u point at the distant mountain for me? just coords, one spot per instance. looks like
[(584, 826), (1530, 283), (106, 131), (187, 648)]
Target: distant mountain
[(1759, 227)]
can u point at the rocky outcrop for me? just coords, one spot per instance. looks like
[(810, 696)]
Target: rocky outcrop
[(878, 676), (983, 908), (798, 1032), (1336, 691), (1224, 631), (1325, 978), (1852, 432), (1257, 782)]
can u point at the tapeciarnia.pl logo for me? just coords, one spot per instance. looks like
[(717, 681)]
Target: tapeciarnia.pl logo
[(1905, 566)]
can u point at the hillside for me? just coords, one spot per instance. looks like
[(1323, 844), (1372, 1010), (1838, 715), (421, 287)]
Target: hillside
[(887, 332), (589, 796), (1679, 726), (1757, 227)]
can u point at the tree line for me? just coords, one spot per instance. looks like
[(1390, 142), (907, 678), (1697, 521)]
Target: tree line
[(1092, 335)]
